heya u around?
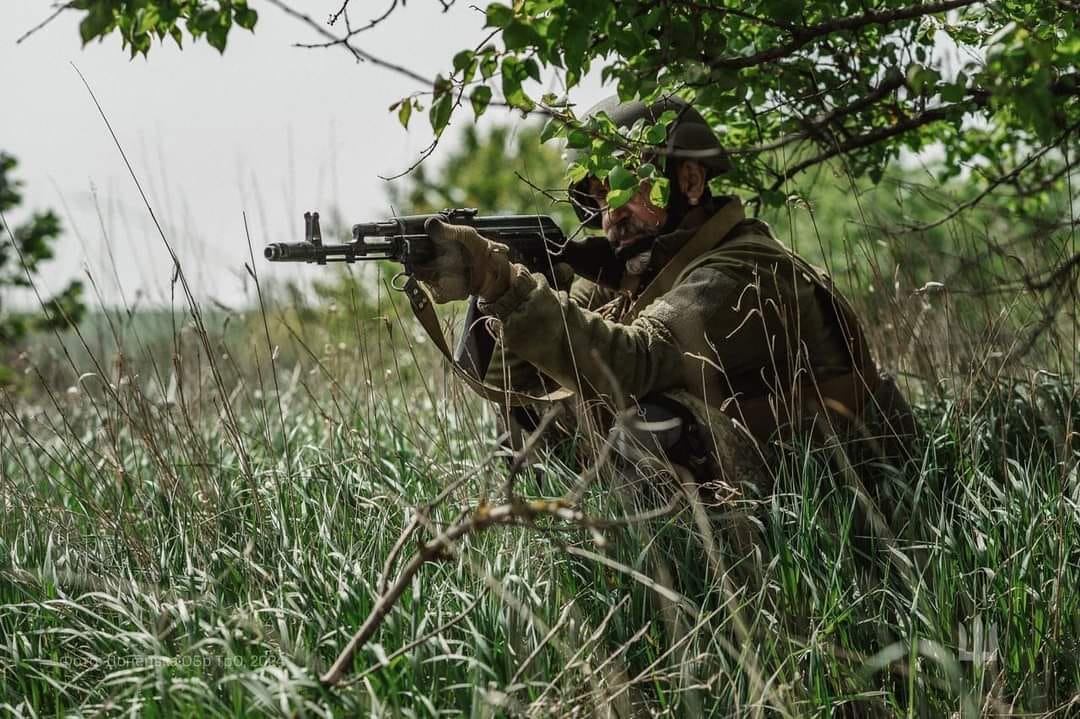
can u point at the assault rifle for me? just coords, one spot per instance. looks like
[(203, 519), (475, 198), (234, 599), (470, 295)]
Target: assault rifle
[(533, 240)]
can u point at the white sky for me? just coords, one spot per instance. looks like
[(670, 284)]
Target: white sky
[(266, 128)]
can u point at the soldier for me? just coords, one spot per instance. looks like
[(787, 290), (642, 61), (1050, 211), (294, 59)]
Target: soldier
[(717, 336)]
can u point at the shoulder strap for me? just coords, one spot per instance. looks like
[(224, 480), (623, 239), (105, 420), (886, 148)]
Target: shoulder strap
[(710, 234)]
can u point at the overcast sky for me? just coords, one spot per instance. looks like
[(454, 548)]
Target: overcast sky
[(266, 128)]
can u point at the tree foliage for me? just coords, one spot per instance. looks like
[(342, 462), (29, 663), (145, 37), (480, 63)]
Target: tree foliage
[(793, 83), (20, 264), (138, 22), (790, 83)]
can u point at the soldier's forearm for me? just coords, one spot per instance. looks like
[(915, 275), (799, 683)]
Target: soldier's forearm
[(579, 348)]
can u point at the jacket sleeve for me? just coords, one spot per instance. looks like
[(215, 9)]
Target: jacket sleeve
[(509, 371), (583, 351)]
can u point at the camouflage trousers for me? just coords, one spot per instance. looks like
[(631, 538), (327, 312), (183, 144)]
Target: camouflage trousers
[(680, 435)]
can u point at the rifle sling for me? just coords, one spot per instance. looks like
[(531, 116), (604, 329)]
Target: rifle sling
[(424, 310), (711, 234)]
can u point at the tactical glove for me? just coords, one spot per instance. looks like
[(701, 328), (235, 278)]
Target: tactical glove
[(464, 264)]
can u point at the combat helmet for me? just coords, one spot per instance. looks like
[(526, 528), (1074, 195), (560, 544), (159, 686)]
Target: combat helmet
[(689, 136)]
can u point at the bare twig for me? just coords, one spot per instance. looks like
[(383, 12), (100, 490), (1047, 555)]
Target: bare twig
[(341, 11), (419, 640), (518, 512), (1058, 275), (55, 14), (875, 136), (735, 12), (372, 23), (402, 540), (360, 55)]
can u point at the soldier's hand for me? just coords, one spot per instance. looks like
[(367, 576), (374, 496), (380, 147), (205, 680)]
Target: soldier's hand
[(464, 264)]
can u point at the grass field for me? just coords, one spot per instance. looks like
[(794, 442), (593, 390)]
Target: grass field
[(198, 512)]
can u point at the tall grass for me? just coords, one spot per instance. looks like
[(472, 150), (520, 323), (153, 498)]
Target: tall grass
[(200, 507), (196, 527)]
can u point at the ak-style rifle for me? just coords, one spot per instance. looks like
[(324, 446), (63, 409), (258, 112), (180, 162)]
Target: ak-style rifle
[(535, 241)]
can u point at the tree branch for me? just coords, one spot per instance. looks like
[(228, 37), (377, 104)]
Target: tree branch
[(1007, 177), (516, 512), (1059, 275), (803, 37), (360, 55), (872, 138), (55, 14), (815, 126)]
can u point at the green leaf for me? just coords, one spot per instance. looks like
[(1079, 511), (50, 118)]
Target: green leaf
[(578, 139), (148, 20), (576, 173), (618, 198), (552, 128), (513, 74), (575, 42), (532, 69), (97, 22), (921, 79), (204, 19), (656, 135), (622, 179), (439, 114), (463, 59), (667, 117), (169, 13), (441, 86), (659, 192), (405, 112), (498, 15), (480, 99), (217, 35), (489, 65), (517, 35), (246, 17), (953, 92)]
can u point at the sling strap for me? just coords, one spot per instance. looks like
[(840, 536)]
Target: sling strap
[(424, 311), (711, 234)]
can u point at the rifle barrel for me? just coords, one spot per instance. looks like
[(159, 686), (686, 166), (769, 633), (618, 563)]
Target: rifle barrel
[(321, 254)]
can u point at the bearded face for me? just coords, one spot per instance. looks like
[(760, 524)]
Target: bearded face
[(628, 231), (631, 236), (632, 227)]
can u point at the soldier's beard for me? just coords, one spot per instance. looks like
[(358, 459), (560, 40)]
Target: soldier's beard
[(631, 236)]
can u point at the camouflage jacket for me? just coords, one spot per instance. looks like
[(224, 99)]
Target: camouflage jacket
[(742, 322)]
